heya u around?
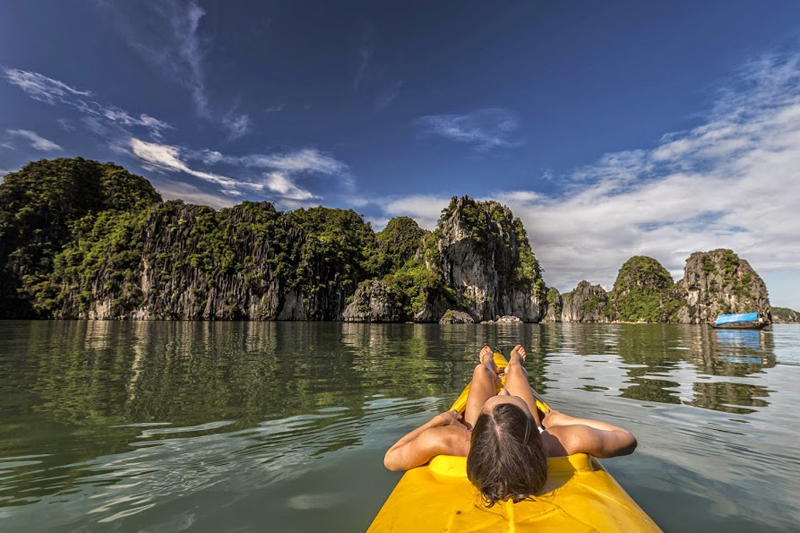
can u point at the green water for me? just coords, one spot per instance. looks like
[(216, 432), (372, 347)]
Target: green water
[(158, 426)]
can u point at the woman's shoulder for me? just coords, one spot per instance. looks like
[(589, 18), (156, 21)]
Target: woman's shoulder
[(559, 440), (456, 439)]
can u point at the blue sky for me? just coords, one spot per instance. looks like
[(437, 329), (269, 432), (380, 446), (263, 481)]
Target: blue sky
[(612, 129)]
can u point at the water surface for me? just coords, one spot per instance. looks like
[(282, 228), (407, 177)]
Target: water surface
[(170, 426)]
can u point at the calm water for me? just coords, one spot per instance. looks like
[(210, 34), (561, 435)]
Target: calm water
[(155, 426)]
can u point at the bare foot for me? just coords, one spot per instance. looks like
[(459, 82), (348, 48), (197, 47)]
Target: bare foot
[(519, 351), (487, 358)]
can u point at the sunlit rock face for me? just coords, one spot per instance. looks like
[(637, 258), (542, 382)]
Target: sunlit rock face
[(586, 303), (719, 282), (485, 257)]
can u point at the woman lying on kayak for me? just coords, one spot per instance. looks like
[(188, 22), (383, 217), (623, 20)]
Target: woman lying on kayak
[(505, 438)]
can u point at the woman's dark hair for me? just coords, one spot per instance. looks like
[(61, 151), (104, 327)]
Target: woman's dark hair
[(506, 458)]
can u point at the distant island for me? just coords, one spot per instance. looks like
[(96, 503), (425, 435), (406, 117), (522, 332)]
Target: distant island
[(81, 239), (784, 315)]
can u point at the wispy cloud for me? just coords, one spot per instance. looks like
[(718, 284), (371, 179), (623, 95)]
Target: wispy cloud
[(484, 129), (371, 76), (36, 142), (237, 125), (115, 127), (388, 94), (304, 160), (42, 88), (274, 109), (168, 158), (97, 116), (177, 190), (364, 54), (168, 37), (280, 183)]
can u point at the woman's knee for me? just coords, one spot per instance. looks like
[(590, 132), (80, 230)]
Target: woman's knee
[(515, 368), (482, 372)]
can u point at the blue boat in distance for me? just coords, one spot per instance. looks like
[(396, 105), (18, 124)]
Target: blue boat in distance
[(741, 321)]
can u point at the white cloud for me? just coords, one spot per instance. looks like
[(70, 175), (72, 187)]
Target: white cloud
[(42, 88), (378, 223), (356, 201), (279, 183), (100, 119), (168, 158), (36, 142), (304, 160), (237, 125), (484, 129), (287, 165), (517, 196), (274, 108), (425, 209), (175, 190), (730, 182)]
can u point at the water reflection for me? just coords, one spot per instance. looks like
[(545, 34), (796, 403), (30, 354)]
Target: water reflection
[(109, 419), (663, 363)]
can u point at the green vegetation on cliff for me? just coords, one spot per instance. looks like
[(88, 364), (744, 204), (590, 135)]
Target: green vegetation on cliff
[(639, 293), (80, 238), (42, 207), (398, 242)]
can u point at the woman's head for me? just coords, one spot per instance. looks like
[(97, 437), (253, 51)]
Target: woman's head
[(506, 458)]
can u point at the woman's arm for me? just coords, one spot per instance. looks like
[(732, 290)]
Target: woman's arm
[(556, 418), (582, 435), (419, 446)]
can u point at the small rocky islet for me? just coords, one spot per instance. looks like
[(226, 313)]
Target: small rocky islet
[(81, 239)]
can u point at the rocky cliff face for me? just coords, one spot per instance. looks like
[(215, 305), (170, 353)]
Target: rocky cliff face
[(719, 282), (181, 262), (587, 303), (456, 317), (554, 306), (81, 239), (485, 257), (372, 302), (714, 283)]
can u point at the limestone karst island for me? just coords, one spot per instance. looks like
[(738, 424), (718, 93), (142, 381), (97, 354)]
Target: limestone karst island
[(88, 240)]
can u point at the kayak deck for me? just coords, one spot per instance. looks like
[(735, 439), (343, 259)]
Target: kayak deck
[(579, 496)]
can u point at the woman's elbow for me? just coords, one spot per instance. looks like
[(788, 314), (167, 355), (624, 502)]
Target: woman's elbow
[(629, 445), (390, 462)]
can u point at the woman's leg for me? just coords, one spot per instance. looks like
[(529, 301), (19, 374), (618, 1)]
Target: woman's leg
[(484, 386), (517, 382)]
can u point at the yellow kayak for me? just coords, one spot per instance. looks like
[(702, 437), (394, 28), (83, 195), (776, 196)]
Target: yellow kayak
[(579, 496)]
